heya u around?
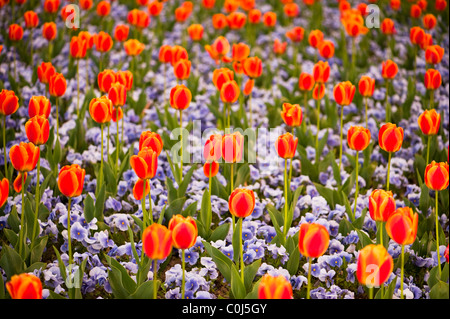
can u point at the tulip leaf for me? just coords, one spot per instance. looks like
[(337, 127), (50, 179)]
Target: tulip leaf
[(243, 174), (222, 262), (293, 262), (2, 288), (100, 203), (237, 286), (89, 208), (236, 242), (38, 249), (185, 182), (220, 233), (145, 290), (205, 213), (175, 208), (11, 262), (122, 282), (250, 272), (440, 290)]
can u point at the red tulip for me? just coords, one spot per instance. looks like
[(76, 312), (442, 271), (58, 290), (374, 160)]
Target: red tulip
[(429, 122), (381, 205), (374, 265), (286, 145), (24, 286), (436, 176), (241, 202), (358, 138), (57, 85), (145, 163), (38, 130), (274, 288), (152, 140), (233, 147), (390, 137), (71, 180), (157, 241), (184, 231), (24, 156), (4, 191), (292, 114), (9, 102), (401, 226), (180, 97), (313, 240), (100, 109)]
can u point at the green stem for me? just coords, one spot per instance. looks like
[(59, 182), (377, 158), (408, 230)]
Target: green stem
[(57, 118), (386, 103), (144, 213), (210, 178), (150, 202), (183, 279), (371, 293), (341, 137), (388, 171), (4, 145), (308, 289), (285, 200), (357, 183), (401, 273), (428, 149), (432, 100), (155, 265), (181, 149), (117, 139), (231, 190), (318, 130), (241, 248), (250, 109), (367, 121), (78, 87), (37, 199), (68, 232), (437, 235), (101, 160), (22, 216), (31, 48)]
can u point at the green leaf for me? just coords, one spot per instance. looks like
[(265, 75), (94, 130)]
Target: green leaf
[(38, 249), (236, 241), (206, 214), (145, 291), (237, 286), (186, 180), (120, 280), (293, 262), (440, 291), (11, 262), (243, 174), (62, 267), (364, 238), (89, 208), (220, 233), (100, 203), (222, 262), (175, 208), (250, 273)]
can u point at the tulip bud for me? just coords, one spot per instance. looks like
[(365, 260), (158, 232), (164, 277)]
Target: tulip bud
[(434, 54), (157, 241), (117, 94), (374, 265), (315, 38), (429, 21), (212, 151), (15, 32), (241, 202), (138, 189), (252, 67), (24, 286), (105, 79), (269, 19), (103, 42), (390, 137), (195, 31), (343, 93), (388, 26), (121, 32), (17, 184), (416, 35), (78, 47), (31, 19), (286, 145), (221, 76), (389, 69), (381, 205), (432, 79), (178, 53), (125, 78), (103, 8), (71, 180), (436, 176), (229, 92), (51, 6), (240, 51), (38, 130), (292, 114), (219, 21), (184, 231), (45, 72), (274, 288), (254, 16), (313, 240), (305, 82), (279, 47), (210, 169), (133, 47), (326, 49), (291, 10), (165, 54), (155, 7), (321, 72), (296, 34), (182, 69), (429, 122)]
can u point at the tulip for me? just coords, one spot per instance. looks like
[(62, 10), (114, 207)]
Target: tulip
[(239, 53), (429, 21), (389, 70), (45, 72), (315, 38), (212, 150), (78, 48), (374, 266), (184, 235), (117, 93), (390, 139), (49, 32), (103, 8), (313, 241), (292, 114), (138, 189), (366, 87), (15, 34), (105, 79), (125, 78), (279, 47), (24, 286), (429, 122), (321, 73), (210, 169), (381, 206), (4, 191), (121, 32), (219, 21), (277, 287), (232, 147), (241, 205), (19, 182), (103, 43), (195, 32), (434, 54), (236, 20), (24, 156), (157, 245), (85, 4), (415, 11), (269, 19), (221, 76), (155, 7), (291, 10), (133, 47), (51, 6), (152, 140), (219, 49), (440, 5), (9, 103), (343, 95), (31, 21), (182, 69)]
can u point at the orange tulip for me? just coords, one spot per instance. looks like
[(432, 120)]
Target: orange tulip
[(416, 35), (440, 5), (269, 19), (155, 7), (318, 91), (252, 67), (381, 205), (180, 97), (221, 76), (274, 288), (315, 38), (326, 49), (296, 34), (182, 69), (117, 93), (45, 72), (195, 31), (51, 6), (388, 26), (210, 169), (103, 8), (103, 42), (4, 191), (395, 4), (208, 4), (305, 82), (233, 147), (247, 5), (78, 47), (390, 137), (231, 5), (366, 86), (241, 202), (184, 231), (240, 52), (358, 138), (9, 102), (57, 85), (125, 78), (24, 156), (138, 18), (248, 87), (121, 32), (138, 189), (152, 140), (401, 226), (178, 53), (389, 69), (279, 47), (292, 114), (436, 176), (291, 10), (101, 109), (182, 14), (17, 184), (434, 54), (165, 54), (69, 11), (117, 114), (219, 49), (236, 20), (31, 19), (85, 4), (313, 240), (49, 31), (254, 16), (105, 79), (286, 145), (429, 21), (321, 72), (38, 130), (24, 286), (219, 21), (71, 180), (429, 122), (157, 241), (145, 163), (133, 47), (344, 92), (229, 93), (374, 265), (426, 41), (15, 32), (212, 150)]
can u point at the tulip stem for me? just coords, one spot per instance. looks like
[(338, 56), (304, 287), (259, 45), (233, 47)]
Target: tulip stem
[(432, 99), (367, 121), (341, 137), (144, 213), (68, 232), (57, 118), (183, 277), (22, 215), (241, 249), (150, 201), (371, 293), (37, 198), (117, 139), (437, 235), (388, 171), (357, 183), (101, 160), (210, 178), (285, 200), (165, 87), (4, 145), (401, 273), (428, 149), (308, 289), (78, 87), (386, 103), (155, 266), (318, 130), (250, 109), (231, 190), (181, 149)]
